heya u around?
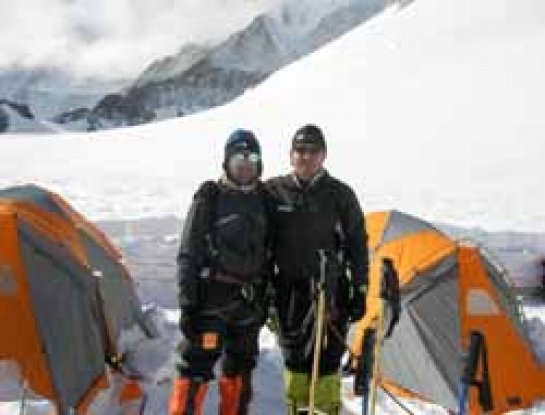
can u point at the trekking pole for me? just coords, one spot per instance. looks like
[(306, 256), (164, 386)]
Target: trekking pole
[(143, 404), (364, 373), (388, 295), (376, 358), (319, 330)]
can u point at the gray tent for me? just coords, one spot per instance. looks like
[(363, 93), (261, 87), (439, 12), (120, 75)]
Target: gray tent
[(449, 291), (65, 297)]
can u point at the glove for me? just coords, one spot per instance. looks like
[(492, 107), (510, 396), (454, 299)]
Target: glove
[(186, 321), (188, 297), (356, 306), (188, 292)]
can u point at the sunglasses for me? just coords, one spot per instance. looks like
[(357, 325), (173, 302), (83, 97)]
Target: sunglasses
[(309, 148), (251, 157)]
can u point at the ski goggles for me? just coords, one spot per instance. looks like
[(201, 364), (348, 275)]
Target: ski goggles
[(251, 157)]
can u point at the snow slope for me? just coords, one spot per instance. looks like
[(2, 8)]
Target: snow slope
[(434, 109)]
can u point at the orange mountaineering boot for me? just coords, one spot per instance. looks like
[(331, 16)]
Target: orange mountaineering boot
[(187, 397)]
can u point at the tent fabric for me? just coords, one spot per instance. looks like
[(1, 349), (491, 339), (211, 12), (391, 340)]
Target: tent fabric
[(401, 225), (123, 311), (375, 225), (418, 347), (17, 320), (70, 330), (448, 289), (518, 380), (433, 335), (33, 195), (98, 253), (65, 297), (505, 296)]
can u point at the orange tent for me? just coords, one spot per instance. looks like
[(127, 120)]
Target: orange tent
[(65, 297), (448, 290)]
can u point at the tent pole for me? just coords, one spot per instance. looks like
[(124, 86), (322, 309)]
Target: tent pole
[(396, 400)]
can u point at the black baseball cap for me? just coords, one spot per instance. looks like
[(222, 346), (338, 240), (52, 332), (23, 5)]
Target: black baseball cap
[(309, 136)]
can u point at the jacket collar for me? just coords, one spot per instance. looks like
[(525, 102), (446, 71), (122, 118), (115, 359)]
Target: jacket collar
[(301, 185), (231, 185)]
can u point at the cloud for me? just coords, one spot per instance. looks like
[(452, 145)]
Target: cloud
[(114, 37)]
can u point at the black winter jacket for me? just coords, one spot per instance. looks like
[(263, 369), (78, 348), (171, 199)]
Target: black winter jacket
[(225, 231), (322, 214)]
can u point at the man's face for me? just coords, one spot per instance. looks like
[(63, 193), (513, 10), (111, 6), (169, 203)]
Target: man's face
[(244, 167), (307, 160)]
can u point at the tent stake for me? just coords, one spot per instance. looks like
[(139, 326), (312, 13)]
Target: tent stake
[(22, 406)]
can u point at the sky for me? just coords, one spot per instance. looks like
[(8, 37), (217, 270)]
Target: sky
[(113, 38)]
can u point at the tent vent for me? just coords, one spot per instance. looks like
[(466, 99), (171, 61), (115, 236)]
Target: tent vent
[(8, 285), (479, 303)]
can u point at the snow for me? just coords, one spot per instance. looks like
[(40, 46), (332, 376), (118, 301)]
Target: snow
[(434, 109), (268, 374), (296, 22), (535, 329), (156, 359)]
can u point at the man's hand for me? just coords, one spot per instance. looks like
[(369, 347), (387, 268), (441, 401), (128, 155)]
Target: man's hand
[(186, 321)]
